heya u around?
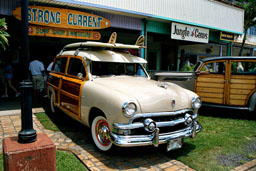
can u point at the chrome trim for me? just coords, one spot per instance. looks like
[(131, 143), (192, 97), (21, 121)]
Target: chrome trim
[(194, 100), (147, 125), (225, 107), (158, 124), (124, 107), (154, 139), (149, 115)]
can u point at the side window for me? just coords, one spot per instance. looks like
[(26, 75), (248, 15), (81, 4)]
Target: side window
[(76, 67), (214, 67), (244, 68), (60, 65)]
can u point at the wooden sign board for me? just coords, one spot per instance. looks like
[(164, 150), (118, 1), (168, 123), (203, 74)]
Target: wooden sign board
[(62, 33), (64, 18)]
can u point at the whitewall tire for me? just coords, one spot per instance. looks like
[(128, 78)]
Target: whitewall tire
[(100, 133), (53, 103)]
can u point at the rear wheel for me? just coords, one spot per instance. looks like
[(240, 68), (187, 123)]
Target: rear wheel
[(101, 133)]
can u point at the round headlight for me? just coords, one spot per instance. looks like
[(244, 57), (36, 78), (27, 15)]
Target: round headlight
[(129, 109), (196, 103)]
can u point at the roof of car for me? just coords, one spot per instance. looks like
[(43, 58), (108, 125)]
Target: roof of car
[(105, 56), (229, 58)]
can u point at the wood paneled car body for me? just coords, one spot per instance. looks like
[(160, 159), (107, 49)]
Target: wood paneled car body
[(228, 82), (106, 88), (224, 82)]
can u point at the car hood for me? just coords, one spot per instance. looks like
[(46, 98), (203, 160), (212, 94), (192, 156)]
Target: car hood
[(150, 95)]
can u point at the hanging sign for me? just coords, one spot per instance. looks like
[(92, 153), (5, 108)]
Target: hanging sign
[(62, 33), (64, 18), (189, 33), (227, 36)]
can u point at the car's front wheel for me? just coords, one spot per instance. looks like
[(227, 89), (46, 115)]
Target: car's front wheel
[(100, 133)]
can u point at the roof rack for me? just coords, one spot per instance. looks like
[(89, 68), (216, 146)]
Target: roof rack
[(111, 44)]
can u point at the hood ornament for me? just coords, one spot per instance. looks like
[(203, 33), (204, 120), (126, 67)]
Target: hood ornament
[(173, 103), (161, 84)]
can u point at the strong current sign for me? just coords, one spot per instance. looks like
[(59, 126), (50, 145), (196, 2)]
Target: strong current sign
[(62, 18)]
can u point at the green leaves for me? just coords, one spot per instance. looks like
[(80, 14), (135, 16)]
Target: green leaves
[(249, 12), (3, 33)]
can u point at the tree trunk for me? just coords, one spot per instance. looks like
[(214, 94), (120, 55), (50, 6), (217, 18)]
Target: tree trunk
[(242, 47)]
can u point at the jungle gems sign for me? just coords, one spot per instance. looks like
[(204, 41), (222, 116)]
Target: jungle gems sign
[(64, 18), (189, 33)]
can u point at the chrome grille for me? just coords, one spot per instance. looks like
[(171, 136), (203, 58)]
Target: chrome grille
[(166, 121)]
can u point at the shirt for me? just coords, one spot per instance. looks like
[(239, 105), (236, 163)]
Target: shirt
[(50, 66), (36, 67)]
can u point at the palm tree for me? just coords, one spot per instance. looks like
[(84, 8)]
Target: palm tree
[(3, 33), (249, 17)]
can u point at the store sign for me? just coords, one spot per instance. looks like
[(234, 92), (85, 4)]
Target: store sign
[(63, 18), (227, 36), (189, 33), (63, 33)]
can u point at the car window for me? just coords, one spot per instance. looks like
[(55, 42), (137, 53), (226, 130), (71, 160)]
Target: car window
[(214, 67), (60, 65), (76, 67), (243, 68), (111, 68)]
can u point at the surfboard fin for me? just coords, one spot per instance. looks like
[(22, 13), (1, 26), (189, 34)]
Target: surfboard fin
[(112, 39), (140, 41)]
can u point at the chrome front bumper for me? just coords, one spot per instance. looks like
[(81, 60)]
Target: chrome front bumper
[(155, 138)]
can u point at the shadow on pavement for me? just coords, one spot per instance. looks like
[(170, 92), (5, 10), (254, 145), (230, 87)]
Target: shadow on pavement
[(13, 103), (117, 158)]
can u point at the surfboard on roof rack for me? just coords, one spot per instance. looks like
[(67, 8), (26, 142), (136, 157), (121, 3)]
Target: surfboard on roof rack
[(111, 44)]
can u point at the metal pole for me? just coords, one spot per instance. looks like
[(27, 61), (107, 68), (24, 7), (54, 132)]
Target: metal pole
[(27, 134)]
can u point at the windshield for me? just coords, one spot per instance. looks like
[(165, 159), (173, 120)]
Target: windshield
[(113, 68)]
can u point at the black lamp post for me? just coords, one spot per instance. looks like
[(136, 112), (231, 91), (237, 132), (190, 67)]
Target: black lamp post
[(27, 134)]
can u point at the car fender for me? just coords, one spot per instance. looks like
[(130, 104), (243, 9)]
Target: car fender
[(108, 101), (252, 102)]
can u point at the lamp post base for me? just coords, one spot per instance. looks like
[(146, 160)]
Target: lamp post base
[(27, 137), (27, 134)]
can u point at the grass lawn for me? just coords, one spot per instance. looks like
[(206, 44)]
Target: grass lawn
[(224, 138), (65, 162), (220, 139)]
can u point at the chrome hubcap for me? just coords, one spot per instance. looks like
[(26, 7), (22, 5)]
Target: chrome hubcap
[(103, 133)]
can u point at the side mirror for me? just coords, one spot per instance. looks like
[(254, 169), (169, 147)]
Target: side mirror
[(79, 75)]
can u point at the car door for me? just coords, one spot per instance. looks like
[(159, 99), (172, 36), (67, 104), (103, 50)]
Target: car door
[(71, 86), (241, 82), (210, 83), (55, 75)]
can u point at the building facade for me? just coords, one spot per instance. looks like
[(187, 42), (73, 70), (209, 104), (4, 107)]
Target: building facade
[(172, 29)]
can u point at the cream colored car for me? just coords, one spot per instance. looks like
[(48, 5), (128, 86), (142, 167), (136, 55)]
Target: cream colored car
[(106, 88)]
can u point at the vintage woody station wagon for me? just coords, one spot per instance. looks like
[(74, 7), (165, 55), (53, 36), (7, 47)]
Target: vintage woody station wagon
[(228, 82), (107, 89), (224, 82)]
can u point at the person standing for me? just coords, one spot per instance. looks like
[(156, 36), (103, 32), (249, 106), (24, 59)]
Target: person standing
[(49, 67), (8, 80), (36, 68)]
